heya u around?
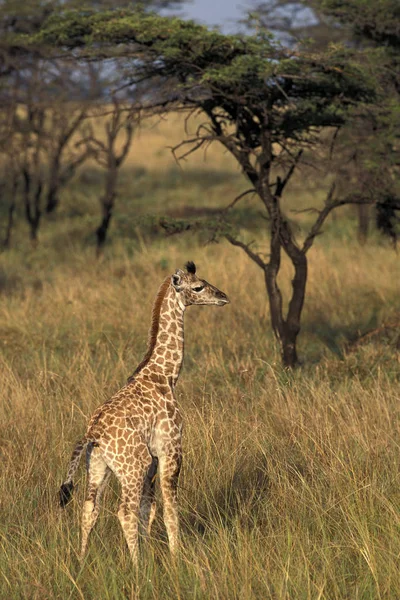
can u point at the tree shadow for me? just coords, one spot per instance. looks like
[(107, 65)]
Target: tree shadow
[(238, 498), (175, 177), (338, 338)]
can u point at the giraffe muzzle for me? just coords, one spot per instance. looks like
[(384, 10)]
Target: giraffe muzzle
[(222, 299)]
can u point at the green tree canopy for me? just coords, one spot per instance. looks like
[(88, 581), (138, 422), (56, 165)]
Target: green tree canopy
[(376, 21), (298, 90), (367, 150)]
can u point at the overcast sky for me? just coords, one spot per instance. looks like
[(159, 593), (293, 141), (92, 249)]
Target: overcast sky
[(217, 12)]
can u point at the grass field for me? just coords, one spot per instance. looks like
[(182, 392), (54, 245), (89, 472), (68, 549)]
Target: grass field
[(290, 484)]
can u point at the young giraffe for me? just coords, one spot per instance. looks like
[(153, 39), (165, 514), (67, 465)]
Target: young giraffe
[(139, 429)]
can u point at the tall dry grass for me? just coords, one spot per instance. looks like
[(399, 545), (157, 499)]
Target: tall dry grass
[(290, 481), (290, 485)]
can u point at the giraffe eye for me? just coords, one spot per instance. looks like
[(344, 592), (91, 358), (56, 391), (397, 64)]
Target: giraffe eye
[(199, 288)]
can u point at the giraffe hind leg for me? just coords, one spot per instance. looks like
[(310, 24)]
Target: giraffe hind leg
[(98, 475), (132, 485), (148, 501)]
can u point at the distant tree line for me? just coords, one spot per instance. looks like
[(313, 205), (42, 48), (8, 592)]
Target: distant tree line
[(49, 107)]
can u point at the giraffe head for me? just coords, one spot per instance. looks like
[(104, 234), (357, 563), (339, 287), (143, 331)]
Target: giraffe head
[(193, 290)]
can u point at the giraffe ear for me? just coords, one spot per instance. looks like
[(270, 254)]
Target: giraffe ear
[(176, 279)]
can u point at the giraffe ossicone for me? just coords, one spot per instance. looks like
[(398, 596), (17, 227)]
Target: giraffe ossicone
[(138, 431)]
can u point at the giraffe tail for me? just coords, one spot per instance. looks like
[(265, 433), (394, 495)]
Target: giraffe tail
[(67, 486)]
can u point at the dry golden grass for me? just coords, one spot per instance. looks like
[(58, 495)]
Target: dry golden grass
[(290, 482), (290, 486)]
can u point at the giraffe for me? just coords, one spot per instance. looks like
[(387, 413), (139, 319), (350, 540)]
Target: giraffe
[(138, 431)]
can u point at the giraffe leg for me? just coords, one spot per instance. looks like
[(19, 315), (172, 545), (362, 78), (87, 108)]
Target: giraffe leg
[(170, 466), (148, 502), (98, 475), (132, 484)]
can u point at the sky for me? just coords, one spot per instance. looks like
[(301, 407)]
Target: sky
[(226, 13), (217, 12)]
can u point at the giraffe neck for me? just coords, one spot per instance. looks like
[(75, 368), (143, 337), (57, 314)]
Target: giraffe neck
[(165, 353)]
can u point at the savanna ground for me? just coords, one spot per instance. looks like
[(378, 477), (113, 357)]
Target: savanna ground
[(290, 484)]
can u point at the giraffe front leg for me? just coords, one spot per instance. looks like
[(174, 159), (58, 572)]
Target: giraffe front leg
[(170, 466)]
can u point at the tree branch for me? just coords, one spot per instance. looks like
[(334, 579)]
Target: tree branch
[(253, 255), (281, 183), (324, 213), (242, 195), (196, 144)]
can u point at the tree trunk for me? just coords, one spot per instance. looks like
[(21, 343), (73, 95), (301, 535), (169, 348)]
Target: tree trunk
[(291, 327), (11, 211), (386, 217), (33, 212), (273, 291), (34, 228), (101, 231), (286, 330), (54, 184), (107, 206), (363, 222), (289, 351), (52, 197)]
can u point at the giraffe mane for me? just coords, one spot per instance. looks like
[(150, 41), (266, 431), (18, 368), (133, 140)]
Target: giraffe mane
[(155, 322)]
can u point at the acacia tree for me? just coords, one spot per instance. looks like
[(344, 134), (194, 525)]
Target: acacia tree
[(110, 153), (377, 25), (369, 147), (43, 109), (44, 148), (64, 155), (265, 104)]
